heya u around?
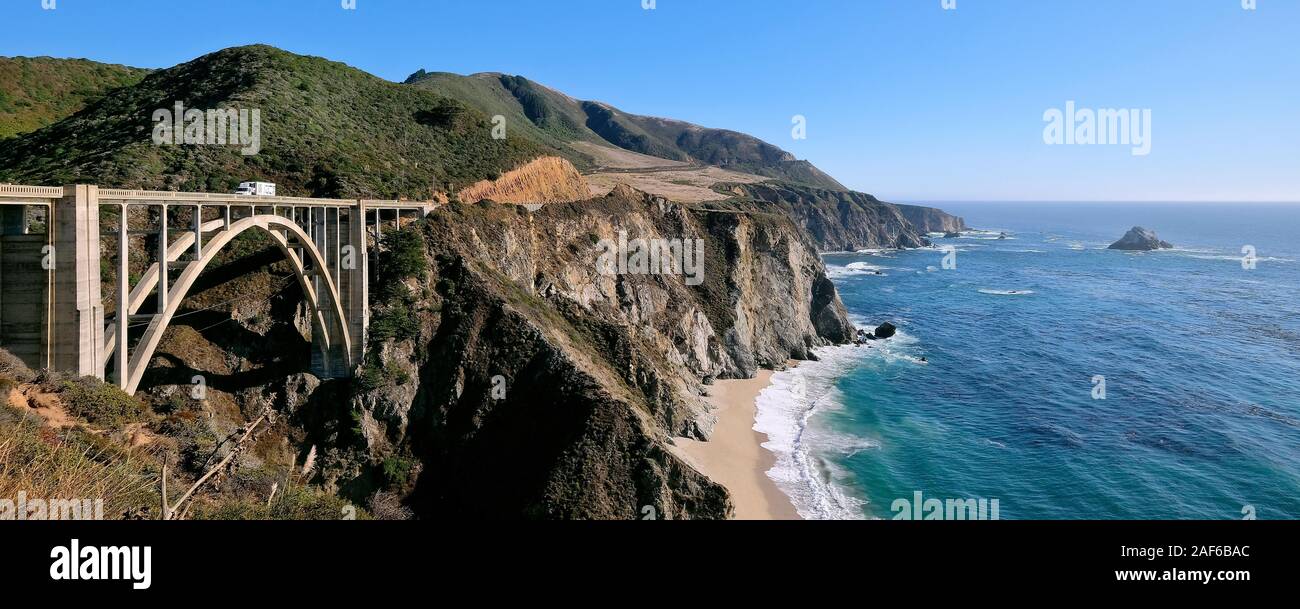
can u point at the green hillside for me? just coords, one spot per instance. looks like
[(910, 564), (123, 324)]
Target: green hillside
[(532, 112), (38, 91), (326, 130), (558, 121)]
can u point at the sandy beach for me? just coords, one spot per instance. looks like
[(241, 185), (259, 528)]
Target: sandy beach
[(735, 457)]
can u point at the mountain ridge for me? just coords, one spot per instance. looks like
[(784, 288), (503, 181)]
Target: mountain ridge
[(558, 116)]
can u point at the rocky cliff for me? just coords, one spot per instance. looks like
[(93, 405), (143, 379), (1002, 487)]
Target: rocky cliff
[(543, 180), (836, 220), (536, 385), (931, 220)]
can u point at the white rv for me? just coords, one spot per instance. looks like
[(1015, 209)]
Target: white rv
[(256, 189)]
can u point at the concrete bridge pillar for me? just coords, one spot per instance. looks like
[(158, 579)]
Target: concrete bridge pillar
[(77, 311), (354, 288)]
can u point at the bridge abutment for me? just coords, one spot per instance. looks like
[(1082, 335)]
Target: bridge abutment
[(24, 287)]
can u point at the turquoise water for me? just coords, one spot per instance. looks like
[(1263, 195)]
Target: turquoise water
[(1201, 360)]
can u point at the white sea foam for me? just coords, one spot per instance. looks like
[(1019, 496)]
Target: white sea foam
[(1237, 258), (853, 269), (1006, 292), (785, 409), (788, 412)]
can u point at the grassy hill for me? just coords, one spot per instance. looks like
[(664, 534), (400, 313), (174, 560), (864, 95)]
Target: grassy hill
[(327, 129), (560, 121), (39, 91)]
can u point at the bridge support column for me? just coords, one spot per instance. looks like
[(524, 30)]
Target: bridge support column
[(77, 343), (354, 286), (122, 356)]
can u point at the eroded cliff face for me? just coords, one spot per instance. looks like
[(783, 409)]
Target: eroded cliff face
[(837, 221), (931, 220), (539, 386), (544, 180)]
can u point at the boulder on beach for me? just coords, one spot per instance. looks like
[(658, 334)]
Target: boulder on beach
[(886, 330), (1140, 239)]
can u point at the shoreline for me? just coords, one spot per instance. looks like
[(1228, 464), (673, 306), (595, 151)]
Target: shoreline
[(734, 455)]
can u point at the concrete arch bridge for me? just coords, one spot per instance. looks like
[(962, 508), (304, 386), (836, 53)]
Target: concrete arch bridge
[(51, 306)]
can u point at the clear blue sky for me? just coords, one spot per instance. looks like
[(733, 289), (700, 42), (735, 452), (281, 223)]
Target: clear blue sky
[(903, 99)]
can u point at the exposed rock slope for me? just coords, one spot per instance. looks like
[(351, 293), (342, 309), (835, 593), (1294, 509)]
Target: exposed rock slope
[(598, 371), (836, 220), (931, 220)]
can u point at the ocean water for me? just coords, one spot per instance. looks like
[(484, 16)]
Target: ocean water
[(1200, 359)]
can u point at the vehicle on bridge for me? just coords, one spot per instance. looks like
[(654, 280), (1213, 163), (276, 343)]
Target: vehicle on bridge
[(256, 189)]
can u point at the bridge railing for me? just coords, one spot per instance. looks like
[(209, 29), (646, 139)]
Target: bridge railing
[(13, 194)]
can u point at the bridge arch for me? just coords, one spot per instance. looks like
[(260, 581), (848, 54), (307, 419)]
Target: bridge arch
[(326, 307)]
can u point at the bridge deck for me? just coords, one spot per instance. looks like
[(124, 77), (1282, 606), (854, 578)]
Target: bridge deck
[(13, 194)]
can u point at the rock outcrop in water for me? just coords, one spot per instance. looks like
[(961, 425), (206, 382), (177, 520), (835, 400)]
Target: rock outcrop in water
[(886, 330), (1140, 239)]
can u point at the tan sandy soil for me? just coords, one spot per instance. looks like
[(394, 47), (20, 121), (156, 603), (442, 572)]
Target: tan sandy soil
[(683, 184), (45, 405), (734, 457), (617, 158)]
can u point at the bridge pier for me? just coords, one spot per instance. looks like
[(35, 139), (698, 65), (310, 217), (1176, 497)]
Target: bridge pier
[(77, 306), (354, 286)]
